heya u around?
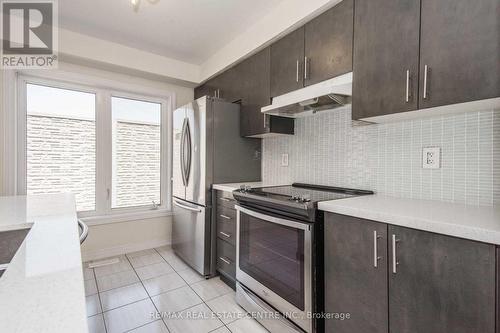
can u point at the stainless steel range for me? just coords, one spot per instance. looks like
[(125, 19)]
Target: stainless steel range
[(279, 254)]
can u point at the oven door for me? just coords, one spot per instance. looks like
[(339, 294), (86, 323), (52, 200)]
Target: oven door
[(273, 260)]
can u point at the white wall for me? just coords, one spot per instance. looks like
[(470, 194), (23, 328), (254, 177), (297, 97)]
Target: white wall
[(119, 237), (183, 94), (116, 238), (279, 20), (76, 45)]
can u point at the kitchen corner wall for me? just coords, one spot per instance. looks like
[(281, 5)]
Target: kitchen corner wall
[(387, 158)]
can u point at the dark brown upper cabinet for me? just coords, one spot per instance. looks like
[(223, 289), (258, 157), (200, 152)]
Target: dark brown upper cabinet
[(224, 85), (255, 83), (416, 54), (287, 58), (318, 51), (328, 44), (204, 90), (386, 46), (248, 83), (460, 51)]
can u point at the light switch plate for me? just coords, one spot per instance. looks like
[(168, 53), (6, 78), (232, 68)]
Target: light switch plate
[(284, 160), (431, 157)]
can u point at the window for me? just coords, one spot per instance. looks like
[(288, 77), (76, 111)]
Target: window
[(136, 152), (61, 143), (108, 147)]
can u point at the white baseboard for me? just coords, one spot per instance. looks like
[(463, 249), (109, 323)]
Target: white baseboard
[(122, 249)]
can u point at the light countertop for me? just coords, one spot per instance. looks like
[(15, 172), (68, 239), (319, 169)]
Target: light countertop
[(42, 289), (234, 186), (479, 223)]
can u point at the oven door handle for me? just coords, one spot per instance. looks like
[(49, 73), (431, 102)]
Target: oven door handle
[(272, 219), (248, 294)]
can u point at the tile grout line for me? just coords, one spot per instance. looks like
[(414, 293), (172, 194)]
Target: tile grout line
[(100, 302), (202, 300), (140, 280), (149, 296), (133, 269)]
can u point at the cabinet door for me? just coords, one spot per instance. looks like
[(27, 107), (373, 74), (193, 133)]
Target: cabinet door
[(254, 77), (352, 282), (386, 47), (441, 284), (287, 61), (460, 45), (203, 90), (328, 43), (229, 85)]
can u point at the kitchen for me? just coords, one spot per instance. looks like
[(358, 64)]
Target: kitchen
[(329, 166)]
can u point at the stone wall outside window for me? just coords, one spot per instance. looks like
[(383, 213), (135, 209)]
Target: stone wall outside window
[(61, 158)]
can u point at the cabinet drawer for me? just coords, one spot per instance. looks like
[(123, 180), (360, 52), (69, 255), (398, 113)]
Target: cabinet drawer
[(226, 214), (225, 199), (226, 224), (226, 255)]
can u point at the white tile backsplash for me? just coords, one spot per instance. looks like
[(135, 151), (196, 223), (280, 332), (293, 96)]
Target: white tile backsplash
[(386, 158)]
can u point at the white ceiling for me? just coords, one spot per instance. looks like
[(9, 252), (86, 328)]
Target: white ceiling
[(186, 30)]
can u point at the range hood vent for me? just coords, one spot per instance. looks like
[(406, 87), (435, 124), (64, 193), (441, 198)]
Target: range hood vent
[(326, 95)]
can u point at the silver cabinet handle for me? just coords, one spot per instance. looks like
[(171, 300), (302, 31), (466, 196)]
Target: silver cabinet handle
[(192, 209), (376, 258), (225, 199), (305, 67), (407, 85), (395, 262), (265, 124), (297, 73), (225, 217), (225, 260), (426, 69), (224, 234)]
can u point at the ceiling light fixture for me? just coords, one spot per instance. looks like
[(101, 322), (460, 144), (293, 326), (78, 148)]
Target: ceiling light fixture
[(136, 4)]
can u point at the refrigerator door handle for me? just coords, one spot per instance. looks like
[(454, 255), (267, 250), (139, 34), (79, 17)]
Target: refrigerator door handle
[(183, 168), (192, 209), (188, 160)]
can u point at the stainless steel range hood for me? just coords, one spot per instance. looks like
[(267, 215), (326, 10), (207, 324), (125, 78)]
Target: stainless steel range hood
[(326, 95)]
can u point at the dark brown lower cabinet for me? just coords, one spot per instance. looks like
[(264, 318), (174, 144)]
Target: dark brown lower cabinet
[(440, 284), (498, 291), (352, 282), (225, 219), (423, 282)]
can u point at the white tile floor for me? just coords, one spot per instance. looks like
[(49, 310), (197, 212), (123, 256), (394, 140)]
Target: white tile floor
[(153, 291)]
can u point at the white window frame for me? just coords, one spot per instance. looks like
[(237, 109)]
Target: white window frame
[(103, 213)]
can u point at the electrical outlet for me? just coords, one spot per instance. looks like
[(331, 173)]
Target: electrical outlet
[(431, 157), (284, 160)]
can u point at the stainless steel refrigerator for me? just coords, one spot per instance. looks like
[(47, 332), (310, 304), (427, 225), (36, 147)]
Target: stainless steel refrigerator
[(207, 149)]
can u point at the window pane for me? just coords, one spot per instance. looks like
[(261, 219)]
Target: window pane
[(136, 152), (61, 143)]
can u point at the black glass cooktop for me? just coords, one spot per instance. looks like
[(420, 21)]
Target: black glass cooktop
[(298, 198), (307, 193), (299, 193)]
